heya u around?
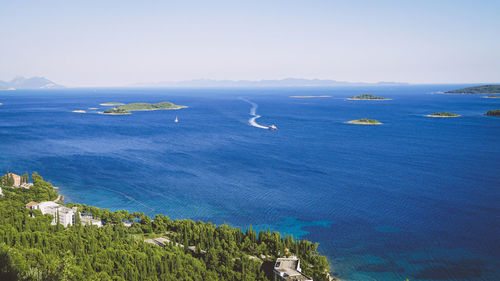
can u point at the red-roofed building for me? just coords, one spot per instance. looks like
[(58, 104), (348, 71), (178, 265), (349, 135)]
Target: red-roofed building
[(32, 205)]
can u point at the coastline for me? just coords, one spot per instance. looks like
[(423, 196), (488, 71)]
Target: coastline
[(438, 116), (356, 122), (154, 109), (59, 198), (368, 99), (128, 113), (446, 93), (168, 237), (493, 113)]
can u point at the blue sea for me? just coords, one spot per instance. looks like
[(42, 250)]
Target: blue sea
[(415, 198)]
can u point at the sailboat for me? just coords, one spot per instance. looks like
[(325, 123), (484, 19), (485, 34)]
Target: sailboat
[(176, 119)]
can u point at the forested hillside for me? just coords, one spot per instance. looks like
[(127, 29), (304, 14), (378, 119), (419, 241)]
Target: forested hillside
[(33, 249), (485, 89)]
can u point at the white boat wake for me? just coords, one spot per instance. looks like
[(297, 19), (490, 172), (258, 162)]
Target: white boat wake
[(253, 112)]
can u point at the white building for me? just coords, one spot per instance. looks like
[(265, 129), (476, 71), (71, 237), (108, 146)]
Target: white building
[(88, 220), (1, 193), (288, 269), (26, 185), (66, 215)]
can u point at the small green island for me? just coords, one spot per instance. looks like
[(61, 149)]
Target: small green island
[(495, 113), (492, 97), (443, 115), (127, 108), (367, 97), (485, 89), (111, 104), (365, 122)]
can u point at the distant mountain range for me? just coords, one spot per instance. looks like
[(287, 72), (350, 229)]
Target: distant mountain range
[(28, 83), (44, 83), (288, 82)]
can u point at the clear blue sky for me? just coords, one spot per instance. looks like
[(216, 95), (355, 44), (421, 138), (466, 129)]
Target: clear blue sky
[(107, 43)]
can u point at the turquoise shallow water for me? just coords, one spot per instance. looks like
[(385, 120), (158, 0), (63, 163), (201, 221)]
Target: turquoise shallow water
[(413, 198)]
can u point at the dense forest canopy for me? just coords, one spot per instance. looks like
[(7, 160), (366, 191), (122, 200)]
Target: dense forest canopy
[(33, 249)]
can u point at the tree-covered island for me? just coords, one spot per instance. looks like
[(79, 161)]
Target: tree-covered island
[(126, 109), (97, 244), (443, 114), (367, 97), (365, 122), (485, 89), (495, 113), (492, 97)]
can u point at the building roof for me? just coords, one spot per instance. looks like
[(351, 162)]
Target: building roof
[(66, 210), (300, 277), (285, 264), (289, 269), (53, 208), (31, 204), (48, 204), (14, 175)]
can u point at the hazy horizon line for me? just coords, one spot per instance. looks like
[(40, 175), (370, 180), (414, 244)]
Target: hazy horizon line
[(255, 83)]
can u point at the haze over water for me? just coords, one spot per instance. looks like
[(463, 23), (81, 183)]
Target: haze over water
[(414, 198)]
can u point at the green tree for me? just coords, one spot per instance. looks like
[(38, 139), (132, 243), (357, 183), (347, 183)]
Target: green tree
[(78, 220)]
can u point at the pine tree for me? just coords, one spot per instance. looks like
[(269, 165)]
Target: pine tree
[(186, 245), (78, 220), (9, 179), (26, 178), (57, 220)]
